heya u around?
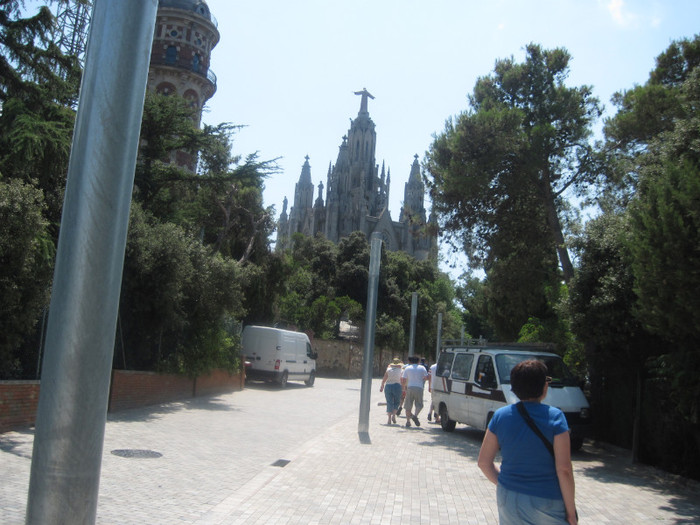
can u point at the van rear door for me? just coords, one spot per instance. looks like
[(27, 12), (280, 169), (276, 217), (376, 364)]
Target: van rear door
[(458, 405)]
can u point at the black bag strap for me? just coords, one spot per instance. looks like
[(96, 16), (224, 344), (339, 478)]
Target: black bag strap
[(528, 419)]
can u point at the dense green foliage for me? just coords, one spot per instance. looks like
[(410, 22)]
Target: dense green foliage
[(37, 85), (26, 262), (327, 284), (196, 240)]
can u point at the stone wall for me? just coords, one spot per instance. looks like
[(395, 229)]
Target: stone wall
[(341, 358)]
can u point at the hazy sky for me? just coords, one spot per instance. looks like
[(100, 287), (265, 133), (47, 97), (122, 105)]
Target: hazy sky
[(288, 69)]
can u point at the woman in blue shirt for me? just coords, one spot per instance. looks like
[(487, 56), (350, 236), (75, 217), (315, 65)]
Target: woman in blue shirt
[(532, 486)]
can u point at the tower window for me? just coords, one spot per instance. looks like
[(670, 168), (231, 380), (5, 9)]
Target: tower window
[(173, 33), (171, 55), (196, 63)]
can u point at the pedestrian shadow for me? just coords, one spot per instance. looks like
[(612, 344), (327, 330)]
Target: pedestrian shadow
[(18, 443), (466, 441)]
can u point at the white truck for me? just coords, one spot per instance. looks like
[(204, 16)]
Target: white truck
[(474, 382), (278, 355)]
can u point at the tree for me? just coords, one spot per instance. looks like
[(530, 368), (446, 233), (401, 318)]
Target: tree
[(525, 133), (221, 202), (38, 84), (654, 141), (602, 307), (664, 214), (645, 113), (26, 266), (176, 300)]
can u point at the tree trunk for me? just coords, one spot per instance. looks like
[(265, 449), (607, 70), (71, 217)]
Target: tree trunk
[(555, 227)]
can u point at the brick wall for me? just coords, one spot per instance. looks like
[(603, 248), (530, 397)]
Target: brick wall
[(18, 403), (129, 389), (218, 382)]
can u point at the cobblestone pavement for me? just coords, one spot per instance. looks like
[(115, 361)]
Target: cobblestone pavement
[(270, 456)]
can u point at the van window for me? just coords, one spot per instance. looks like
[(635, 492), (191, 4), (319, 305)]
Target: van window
[(555, 367), (485, 374), (444, 364), (462, 366)]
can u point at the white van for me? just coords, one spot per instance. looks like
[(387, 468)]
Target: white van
[(278, 355), (476, 382)]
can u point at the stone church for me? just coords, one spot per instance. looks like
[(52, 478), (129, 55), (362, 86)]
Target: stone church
[(357, 197)]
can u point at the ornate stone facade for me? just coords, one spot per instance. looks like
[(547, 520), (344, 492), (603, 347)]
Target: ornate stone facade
[(185, 34), (357, 197)]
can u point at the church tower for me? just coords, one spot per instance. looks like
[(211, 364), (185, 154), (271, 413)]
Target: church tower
[(185, 34), (354, 187), (301, 215), (413, 196)]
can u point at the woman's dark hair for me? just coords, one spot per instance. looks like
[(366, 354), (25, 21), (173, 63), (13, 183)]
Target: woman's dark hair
[(527, 379)]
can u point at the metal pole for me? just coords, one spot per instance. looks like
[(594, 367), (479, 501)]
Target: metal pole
[(414, 311), (370, 319), (69, 438), (439, 337)]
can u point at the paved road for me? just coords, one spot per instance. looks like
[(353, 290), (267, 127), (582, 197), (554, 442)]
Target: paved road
[(267, 456)]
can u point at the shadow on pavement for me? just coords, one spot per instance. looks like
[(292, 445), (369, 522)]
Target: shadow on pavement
[(265, 385), (20, 446), (615, 466), (604, 465), (153, 412)]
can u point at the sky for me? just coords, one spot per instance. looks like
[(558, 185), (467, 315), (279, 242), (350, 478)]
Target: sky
[(288, 70)]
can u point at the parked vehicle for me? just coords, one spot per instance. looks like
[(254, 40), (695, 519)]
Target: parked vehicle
[(476, 383), (278, 355)]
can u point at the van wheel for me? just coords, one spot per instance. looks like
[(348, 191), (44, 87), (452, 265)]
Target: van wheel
[(447, 424), (311, 379), (283, 379), (576, 444)]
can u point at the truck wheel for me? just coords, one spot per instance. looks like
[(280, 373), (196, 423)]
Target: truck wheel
[(311, 379), (447, 424), (283, 379), (576, 444)]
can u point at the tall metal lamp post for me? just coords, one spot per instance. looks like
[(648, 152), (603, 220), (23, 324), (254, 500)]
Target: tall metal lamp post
[(69, 437)]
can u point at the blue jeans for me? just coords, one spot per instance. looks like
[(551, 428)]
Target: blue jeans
[(392, 393), (515, 508)]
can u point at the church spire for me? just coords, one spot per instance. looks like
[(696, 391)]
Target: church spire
[(414, 178), (305, 177)]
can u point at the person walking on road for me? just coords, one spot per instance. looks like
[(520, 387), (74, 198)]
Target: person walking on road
[(535, 484), (413, 378), (433, 382), (391, 386)]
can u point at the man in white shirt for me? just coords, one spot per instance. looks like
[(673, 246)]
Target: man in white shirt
[(413, 378), (433, 381)]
